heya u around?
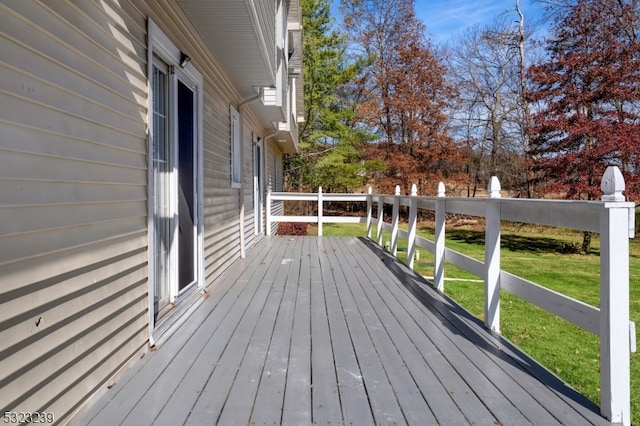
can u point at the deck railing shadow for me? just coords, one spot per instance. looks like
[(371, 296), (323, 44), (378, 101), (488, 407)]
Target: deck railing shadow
[(612, 217), (461, 322)]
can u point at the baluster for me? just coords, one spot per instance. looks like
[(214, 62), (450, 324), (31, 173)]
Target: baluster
[(438, 265), (492, 258), (614, 299), (268, 212), (413, 224), (320, 209), (369, 211), (380, 219), (395, 218)]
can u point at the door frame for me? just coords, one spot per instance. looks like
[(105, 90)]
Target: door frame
[(161, 46)]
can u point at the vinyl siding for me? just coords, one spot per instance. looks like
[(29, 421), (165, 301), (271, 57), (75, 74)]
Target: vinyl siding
[(273, 170), (73, 191), (248, 170), (221, 204), (73, 177)]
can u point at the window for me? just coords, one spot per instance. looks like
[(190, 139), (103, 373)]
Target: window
[(236, 149)]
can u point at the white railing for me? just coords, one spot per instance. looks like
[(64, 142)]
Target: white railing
[(318, 197), (612, 217)]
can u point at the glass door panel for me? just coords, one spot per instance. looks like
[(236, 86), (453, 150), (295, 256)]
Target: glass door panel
[(162, 216), (186, 186), (257, 178)]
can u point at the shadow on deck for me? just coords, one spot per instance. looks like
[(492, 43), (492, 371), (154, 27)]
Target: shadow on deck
[(333, 330)]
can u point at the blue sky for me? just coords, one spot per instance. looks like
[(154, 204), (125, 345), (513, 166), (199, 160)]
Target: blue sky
[(446, 18)]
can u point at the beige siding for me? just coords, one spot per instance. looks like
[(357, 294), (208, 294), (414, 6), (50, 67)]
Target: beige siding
[(73, 191), (248, 169), (73, 171), (273, 172), (221, 204)]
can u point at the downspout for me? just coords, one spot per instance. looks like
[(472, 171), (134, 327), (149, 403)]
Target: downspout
[(272, 135), (240, 111)]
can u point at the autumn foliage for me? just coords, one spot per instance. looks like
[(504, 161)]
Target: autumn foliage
[(387, 107), (402, 96), (587, 100)]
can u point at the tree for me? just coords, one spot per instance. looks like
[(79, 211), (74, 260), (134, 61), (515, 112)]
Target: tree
[(329, 143), (485, 67), (488, 64), (525, 116), (587, 100), (402, 95)]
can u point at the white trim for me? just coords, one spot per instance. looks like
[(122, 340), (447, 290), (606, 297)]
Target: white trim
[(236, 147), (151, 31), (161, 46)]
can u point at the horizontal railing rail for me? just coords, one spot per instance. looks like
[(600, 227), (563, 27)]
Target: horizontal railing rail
[(612, 217), (320, 198)]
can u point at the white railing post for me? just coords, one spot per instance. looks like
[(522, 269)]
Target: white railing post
[(395, 218), (438, 264), (369, 211), (320, 208), (492, 258), (413, 225), (615, 231), (268, 212), (380, 219)]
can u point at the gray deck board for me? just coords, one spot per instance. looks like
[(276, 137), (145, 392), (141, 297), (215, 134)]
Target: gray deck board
[(453, 386), (353, 394), (417, 361), (239, 403), (383, 400), (297, 399), (269, 399), (324, 330), (226, 350), (324, 392), (503, 411)]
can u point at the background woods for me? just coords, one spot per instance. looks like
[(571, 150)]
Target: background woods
[(403, 95), (545, 107)]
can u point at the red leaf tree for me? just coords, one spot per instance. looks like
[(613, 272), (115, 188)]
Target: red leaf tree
[(586, 99)]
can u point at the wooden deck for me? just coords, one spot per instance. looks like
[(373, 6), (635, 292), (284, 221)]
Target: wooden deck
[(326, 330)]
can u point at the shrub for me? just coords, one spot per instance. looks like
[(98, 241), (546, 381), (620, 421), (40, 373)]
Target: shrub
[(289, 228)]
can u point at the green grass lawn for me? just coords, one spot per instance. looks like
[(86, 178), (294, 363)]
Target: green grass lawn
[(539, 255)]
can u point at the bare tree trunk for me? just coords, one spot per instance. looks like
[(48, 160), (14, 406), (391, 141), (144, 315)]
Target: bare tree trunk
[(586, 242), (526, 113)]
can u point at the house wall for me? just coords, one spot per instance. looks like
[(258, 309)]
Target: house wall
[(274, 167), (73, 191), (248, 223)]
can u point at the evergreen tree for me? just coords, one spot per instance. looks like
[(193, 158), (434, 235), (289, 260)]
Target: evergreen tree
[(329, 141)]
